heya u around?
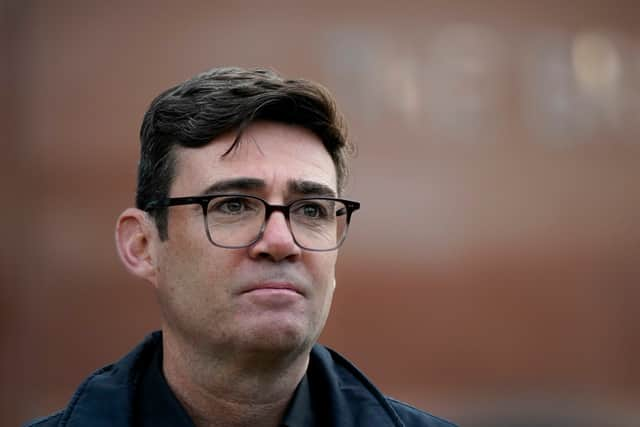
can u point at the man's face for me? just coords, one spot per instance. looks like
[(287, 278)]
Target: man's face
[(229, 299)]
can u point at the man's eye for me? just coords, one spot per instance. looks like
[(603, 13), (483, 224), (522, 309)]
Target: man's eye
[(229, 206), (312, 210)]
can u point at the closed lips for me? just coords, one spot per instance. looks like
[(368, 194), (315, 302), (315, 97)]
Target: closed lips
[(274, 286)]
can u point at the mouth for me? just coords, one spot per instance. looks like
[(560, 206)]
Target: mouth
[(273, 288)]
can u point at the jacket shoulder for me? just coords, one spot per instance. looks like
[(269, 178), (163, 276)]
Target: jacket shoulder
[(105, 398), (359, 396), (48, 421), (412, 416)]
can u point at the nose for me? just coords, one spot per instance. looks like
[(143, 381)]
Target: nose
[(276, 242)]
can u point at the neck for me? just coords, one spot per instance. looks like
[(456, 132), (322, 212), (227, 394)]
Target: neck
[(253, 389)]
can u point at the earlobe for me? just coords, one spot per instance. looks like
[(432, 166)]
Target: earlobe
[(134, 241)]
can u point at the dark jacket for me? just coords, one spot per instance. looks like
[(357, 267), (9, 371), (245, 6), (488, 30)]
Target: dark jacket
[(106, 398)]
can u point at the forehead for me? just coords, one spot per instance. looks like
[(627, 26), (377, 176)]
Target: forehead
[(275, 153)]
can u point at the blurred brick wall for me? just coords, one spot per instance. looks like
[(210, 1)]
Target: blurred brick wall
[(496, 256)]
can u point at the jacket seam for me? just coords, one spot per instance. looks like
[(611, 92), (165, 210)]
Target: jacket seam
[(46, 419), (406, 405), (78, 394), (371, 388)]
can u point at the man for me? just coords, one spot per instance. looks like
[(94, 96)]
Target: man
[(237, 223)]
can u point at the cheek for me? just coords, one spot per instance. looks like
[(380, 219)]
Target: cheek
[(194, 287), (190, 268), (188, 254), (323, 270), (201, 269)]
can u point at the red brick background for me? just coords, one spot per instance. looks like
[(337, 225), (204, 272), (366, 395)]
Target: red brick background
[(494, 269)]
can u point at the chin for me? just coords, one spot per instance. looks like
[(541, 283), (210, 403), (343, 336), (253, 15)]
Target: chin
[(279, 337)]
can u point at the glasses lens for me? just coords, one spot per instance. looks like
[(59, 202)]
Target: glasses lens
[(318, 224), (234, 221)]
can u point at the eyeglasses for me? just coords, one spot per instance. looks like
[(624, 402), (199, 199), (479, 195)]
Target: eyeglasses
[(237, 221)]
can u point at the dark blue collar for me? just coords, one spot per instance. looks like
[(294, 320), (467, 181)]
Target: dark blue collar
[(335, 393), (300, 412), (156, 405)]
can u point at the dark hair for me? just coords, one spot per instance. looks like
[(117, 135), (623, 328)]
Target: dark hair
[(210, 104)]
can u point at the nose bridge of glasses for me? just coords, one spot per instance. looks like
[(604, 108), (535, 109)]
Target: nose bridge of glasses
[(268, 216), (270, 209)]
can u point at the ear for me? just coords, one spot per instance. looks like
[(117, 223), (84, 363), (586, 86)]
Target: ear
[(136, 240)]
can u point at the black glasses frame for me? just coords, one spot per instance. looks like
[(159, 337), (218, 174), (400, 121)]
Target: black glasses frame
[(203, 201)]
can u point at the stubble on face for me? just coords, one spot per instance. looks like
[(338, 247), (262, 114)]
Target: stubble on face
[(199, 285)]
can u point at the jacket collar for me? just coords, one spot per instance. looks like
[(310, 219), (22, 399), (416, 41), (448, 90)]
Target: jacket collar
[(352, 400), (106, 398)]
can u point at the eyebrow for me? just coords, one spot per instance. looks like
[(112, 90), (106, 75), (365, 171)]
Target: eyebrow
[(302, 187), (234, 184), (310, 188)]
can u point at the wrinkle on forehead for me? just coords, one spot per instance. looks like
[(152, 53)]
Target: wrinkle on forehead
[(274, 152)]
